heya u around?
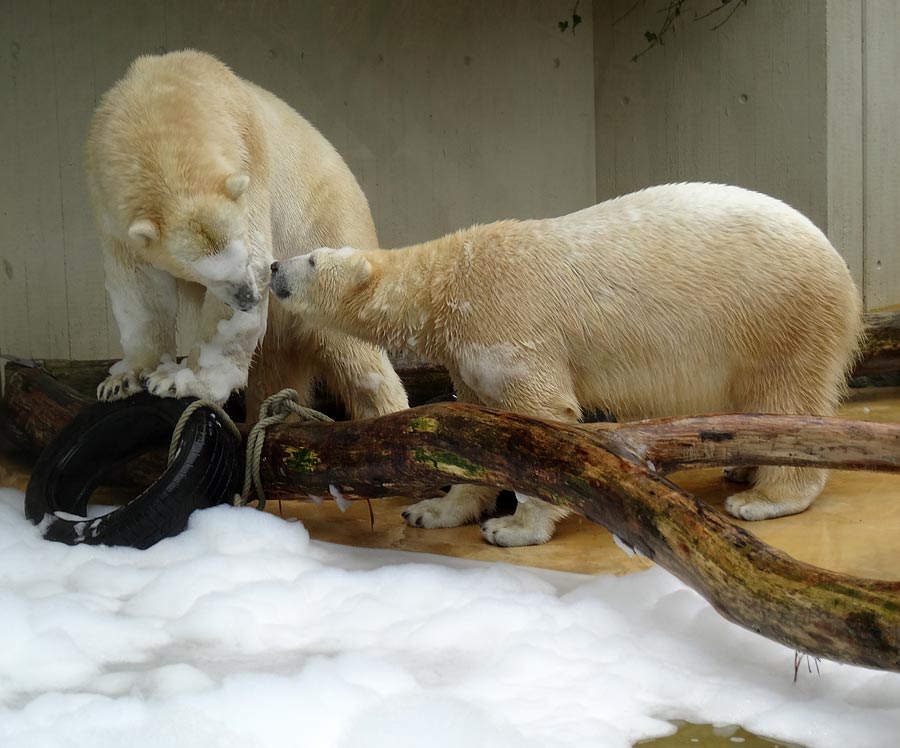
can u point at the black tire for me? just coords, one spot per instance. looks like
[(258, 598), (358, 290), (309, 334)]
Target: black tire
[(207, 470)]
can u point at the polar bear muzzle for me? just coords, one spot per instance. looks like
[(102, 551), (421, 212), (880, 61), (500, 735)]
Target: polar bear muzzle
[(278, 282), (244, 298)]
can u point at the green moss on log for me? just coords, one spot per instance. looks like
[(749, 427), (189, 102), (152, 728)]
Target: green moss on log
[(449, 463), (301, 460), (423, 424)]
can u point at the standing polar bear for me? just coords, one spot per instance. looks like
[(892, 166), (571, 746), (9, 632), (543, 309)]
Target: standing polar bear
[(199, 179), (679, 299)]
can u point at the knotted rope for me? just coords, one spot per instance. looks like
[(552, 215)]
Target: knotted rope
[(275, 409)]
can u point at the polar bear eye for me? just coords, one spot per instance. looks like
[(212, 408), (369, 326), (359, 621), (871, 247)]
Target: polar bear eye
[(312, 261)]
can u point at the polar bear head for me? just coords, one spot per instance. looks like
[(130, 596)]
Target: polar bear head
[(323, 283), (203, 238)]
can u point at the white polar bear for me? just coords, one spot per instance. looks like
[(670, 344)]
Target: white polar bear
[(678, 299), (200, 179)]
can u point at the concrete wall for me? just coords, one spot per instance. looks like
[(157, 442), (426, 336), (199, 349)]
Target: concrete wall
[(456, 112), (880, 66), (797, 99), (449, 112), (744, 104)]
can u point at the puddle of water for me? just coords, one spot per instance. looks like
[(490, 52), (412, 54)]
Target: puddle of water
[(690, 735)]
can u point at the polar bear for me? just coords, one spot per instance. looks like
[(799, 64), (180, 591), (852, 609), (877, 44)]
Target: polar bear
[(199, 180), (678, 299)]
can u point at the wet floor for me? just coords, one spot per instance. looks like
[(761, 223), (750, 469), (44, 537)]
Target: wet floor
[(690, 735)]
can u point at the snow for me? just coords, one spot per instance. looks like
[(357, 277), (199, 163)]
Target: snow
[(339, 499), (243, 632), (370, 381), (488, 369), (227, 266), (222, 359)]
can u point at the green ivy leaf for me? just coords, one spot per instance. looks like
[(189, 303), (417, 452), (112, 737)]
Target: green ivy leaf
[(563, 25)]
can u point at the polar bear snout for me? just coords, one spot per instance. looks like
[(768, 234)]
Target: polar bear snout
[(278, 282), (244, 297)]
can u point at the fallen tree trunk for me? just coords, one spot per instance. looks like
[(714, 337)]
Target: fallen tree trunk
[(605, 478), (610, 473), (671, 444), (36, 407)]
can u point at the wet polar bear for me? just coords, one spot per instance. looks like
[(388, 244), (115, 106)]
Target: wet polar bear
[(200, 179), (679, 299)]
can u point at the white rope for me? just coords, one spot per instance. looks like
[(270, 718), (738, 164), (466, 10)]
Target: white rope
[(275, 409), (187, 413)]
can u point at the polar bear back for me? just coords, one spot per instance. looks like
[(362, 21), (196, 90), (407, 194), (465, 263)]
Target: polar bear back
[(675, 299)]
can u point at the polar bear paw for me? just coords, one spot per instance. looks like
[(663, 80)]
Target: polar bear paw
[(532, 524), (433, 513), (120, 386), (463, 505), (178, 380), (181, 382), (753, 505), (514, 530)]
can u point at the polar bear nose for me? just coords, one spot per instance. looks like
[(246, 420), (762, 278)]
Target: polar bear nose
[(245, 298), (274, 267)]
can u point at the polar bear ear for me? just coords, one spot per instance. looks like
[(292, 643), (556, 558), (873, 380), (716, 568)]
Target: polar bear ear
[(236, 185), (143, 231), (362, 270)]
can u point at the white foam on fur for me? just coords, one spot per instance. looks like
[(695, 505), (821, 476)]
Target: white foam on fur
[(227, 266), (242, 632)]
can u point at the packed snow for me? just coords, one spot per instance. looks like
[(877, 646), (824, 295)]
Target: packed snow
[(242, 632)]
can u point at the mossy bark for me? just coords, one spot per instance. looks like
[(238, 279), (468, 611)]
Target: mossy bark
[(606, 473)]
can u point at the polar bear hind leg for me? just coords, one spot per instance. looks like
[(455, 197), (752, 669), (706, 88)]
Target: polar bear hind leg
[(792, 387)]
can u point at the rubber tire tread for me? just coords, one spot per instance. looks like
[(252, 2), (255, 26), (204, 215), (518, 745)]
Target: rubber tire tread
[(207, 470)]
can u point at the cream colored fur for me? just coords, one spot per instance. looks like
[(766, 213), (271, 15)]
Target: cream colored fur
[(199, 180), (678, 299)]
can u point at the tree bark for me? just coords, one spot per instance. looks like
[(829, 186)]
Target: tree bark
[(602, 472), (881, 348)]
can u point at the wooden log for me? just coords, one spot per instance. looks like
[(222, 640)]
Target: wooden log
[(666, 445), (605, 478), (36, 407), (881, 349)]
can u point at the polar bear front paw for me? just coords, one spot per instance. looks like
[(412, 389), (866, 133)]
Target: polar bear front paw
[(120, 386), (461, 506), (172, 380), (432, 513), (178, 380)]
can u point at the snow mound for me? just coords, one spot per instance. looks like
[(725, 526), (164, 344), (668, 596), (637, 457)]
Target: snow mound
[(242, 632)]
